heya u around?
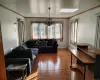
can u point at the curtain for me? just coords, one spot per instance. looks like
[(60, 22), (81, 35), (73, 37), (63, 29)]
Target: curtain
[(97, 35), (42, 30), (73, 31), (21, 30)]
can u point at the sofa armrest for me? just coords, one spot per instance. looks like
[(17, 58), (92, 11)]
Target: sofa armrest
[(55, 44), (26, 53), (19, 61)]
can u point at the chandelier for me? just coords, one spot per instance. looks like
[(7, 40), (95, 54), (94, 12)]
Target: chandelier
[(49, 21)]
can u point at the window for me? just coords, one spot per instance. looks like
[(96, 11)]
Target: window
[(42, 31), (73, 30)]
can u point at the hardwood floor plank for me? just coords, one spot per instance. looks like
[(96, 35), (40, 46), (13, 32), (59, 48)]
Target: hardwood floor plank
[(56, 67)]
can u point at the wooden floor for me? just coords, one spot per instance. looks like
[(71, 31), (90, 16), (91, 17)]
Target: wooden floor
[(51, 66)]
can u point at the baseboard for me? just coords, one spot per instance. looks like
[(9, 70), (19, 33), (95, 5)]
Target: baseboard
[(62, 47)]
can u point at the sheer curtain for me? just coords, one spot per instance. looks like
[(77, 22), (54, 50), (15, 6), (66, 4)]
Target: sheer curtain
[(73, 31), (97, 35), (21, 29), (42, 31), (51, 32), (35, 31), (58, 31)]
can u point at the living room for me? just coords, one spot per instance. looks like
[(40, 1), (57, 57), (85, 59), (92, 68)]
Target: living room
[(73, 28)]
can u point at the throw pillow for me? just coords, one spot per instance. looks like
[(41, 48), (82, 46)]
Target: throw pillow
[(44, 43), (38, 43)]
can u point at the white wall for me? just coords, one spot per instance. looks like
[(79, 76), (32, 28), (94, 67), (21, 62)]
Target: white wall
[(9, 29), (87, 26), (62, 44)]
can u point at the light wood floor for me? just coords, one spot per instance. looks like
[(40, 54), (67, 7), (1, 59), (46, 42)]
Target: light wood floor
[(51, 66)]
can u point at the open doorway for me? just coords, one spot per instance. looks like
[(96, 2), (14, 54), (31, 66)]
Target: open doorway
[(2, 61)]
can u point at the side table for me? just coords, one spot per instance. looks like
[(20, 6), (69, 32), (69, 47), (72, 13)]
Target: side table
[(20, 68)]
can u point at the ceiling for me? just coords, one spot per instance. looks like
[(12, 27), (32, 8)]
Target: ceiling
[(39, 8)]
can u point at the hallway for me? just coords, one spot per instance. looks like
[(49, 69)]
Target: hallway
[(56, 67)]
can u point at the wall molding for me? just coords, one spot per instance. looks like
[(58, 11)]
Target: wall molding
[(11, 10), (85, 11), (51, 17)]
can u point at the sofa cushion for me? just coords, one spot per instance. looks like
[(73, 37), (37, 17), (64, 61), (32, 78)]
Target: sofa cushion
[(43, 43), (30, 43), (49, 42), (26, 53), (19, 48)]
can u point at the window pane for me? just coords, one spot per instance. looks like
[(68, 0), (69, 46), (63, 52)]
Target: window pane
[(42, 31), (35, 27), (58, 30), (51, 31)]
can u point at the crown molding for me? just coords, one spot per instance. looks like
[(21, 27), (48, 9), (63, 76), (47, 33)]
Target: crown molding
[(50, 17), (86, 11), (11, 10)]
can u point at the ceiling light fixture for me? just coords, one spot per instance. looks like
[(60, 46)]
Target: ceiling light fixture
[(49, 21), (68, 10)]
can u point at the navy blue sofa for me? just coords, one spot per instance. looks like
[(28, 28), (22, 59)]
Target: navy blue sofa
[(21, 55), (51, 45)]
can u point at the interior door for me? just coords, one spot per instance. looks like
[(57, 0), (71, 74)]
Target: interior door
[(2, 61)]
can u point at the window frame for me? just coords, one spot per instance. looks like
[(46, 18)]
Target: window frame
[(45, 22)]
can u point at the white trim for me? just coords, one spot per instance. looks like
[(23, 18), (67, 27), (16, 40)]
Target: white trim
[(62, 47)]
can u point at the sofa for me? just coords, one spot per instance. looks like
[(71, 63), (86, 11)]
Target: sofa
[(44, 45), (21, 55)]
